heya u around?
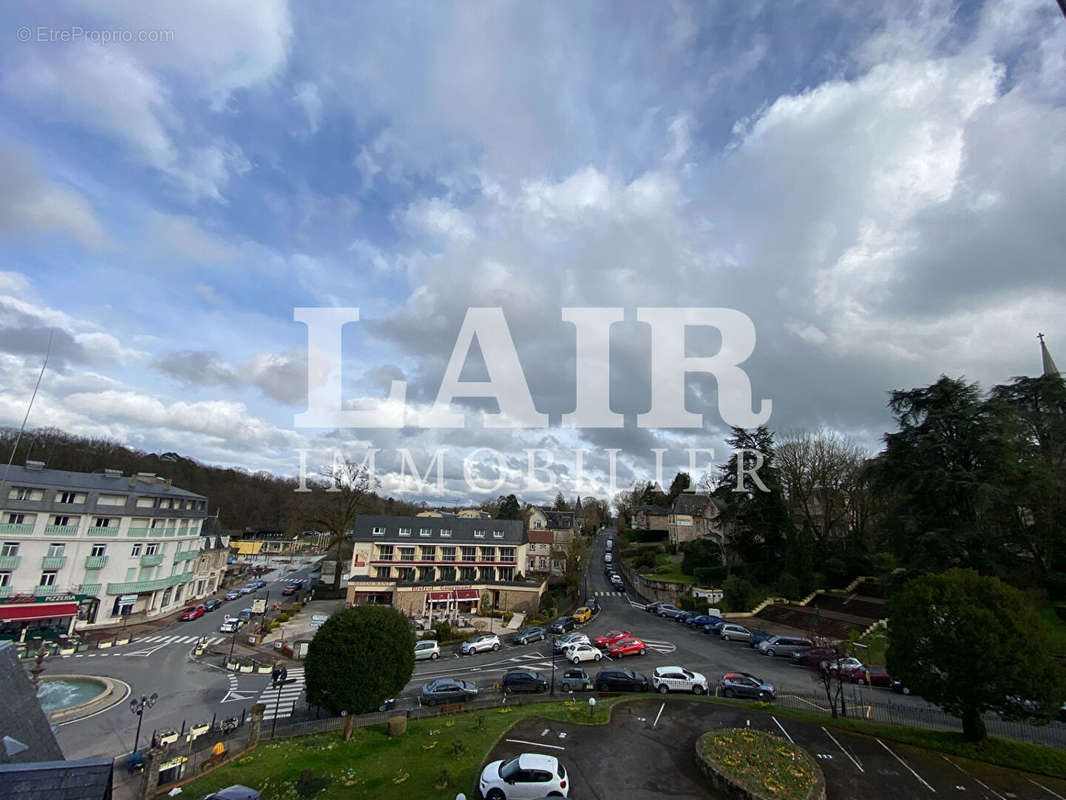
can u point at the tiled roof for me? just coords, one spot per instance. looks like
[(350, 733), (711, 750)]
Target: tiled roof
[(540, 537), (57, 780), (21, 717), (95, 481), (461, 528), (557, 520), (694, 504)]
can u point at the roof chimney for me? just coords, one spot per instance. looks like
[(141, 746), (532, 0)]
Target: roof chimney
[(37, 466)]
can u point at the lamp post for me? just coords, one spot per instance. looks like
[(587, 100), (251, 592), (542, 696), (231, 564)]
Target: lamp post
[(138, 707), (553, 665)]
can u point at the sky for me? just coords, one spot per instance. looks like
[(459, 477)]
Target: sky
[(878, 187)]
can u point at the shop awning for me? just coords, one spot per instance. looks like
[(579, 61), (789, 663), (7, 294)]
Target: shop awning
[(37, 611), (467, 594), (440, 596)]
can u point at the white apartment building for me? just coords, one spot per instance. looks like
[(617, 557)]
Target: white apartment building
[(85, 550)]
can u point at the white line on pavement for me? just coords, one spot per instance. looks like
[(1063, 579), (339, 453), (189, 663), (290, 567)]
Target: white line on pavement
[(1042, 786), (858, 766), (782, 727), (908, 766), (535, 744), (658, 715), (968, 775)]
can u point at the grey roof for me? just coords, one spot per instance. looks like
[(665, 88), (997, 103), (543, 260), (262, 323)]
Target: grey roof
[(21, 716), (514, 530), (694, 504), (57, 780), (557, 520), (94, 481), (660, 511)]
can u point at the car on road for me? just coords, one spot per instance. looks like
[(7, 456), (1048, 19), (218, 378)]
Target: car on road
[(814, 657), (610, 638), (212, 604), (571, 638), (231, 625), (523, 680), (617, 582), (427, 650), (289, 590), (582, 651), (741, 684), (247, 589), (677, 679), (731, 632), (582, 614), (447, 690), (576, 680), (610, 545), (627, 647), (688, 615), (562, 625), (653, 607), (608, 558), (530, 775), (480, 644), (245, 614), (872, 674), (233, 594), (192, 612), (618, 679), (527, 635), (784, 645)]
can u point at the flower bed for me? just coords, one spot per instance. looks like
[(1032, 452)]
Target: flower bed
[(743, 762)]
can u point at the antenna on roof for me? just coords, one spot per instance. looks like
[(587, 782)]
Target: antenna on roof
[(47, 353)]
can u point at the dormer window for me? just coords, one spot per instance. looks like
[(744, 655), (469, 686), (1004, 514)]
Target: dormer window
[(479, 534), (497, 534), (425, 531), (378, 531), (405, 531), (446, 533)]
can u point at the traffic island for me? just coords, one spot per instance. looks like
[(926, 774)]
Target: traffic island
[(749, 764)]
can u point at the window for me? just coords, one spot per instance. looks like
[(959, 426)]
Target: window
[(111, 500), (22, 493), (98, 550), (467, 574), (469, 554), (382, 572), (145, 502), (407, 554), (405, 573), (506, 573), (56, 549), (131, 574), (48, 578), (5, 578), (158, 523), (479, 534), (136, 550), (61, 521), (378, 531), (69, 497), (151, 548), (429, 553), (425, 531), (9, 549), (488, 553), (507, 554), (446, 533), (405, 531), (447, 554), (385, 552), (16, 519), (497, 534), (102, 522)]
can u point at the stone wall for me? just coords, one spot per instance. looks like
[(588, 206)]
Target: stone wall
[(650, 589)]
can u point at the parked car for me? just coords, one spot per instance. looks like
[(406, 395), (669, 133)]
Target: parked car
[(582, 651), (731, 632), (617, 679), (695, 619), (582, 614), (687, 616), (231, 625), (527, 635), (713, 626), (480, 644), (610, 544), (627, 647), (529, 775), (212, 604), (677, 679), (784, 645), (607, 558), (571, 638), (653, 608), (447, 690), (245, 614), (814, 656), (841, 664), (610, 638), (192, 612), (741, 684), (757, 637), (576, 680), (899, 688), (669, 611), (247, 589), (523, 680), (871, 673), (562, 625), (593, 605), (235, 792), (259, 583), (427, 649)]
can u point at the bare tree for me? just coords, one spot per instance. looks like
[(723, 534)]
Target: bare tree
[(344, 490)]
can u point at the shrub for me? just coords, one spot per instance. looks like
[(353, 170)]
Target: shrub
[(788, 585), (738, 594), (709, 576)]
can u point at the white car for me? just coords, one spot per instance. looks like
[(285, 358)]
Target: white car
[(525, 777), (842, 664), (677, 679), (427, 649), (480, 644), (564, 642), (607, 558), (576, 653), (731, 632)]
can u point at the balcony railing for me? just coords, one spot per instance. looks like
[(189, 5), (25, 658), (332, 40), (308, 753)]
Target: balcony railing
[(53, 562), (137, 532), (5, 591), (133, 587), (10, 562), (87, 588), (101, 530), (16, 528), (42, 591), (185, 555), (95, 562), (61, 530), (151, 560), (172, 531), (157, 533)]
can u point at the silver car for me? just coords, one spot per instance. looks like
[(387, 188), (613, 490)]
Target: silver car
[(427, 650), (784, 645), (564, 642), (480, 644), (731, 632)]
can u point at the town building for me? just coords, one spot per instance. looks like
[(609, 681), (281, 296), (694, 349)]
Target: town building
[(694, 515), (651, 518), (441, 565), (96, 549), (255, 543), (561, 525), (539, 552)]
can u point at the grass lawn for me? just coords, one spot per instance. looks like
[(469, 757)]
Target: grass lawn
[(372, 765), (1058, 630), (671, 569)]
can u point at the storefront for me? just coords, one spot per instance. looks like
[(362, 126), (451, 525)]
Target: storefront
[(24, 618)]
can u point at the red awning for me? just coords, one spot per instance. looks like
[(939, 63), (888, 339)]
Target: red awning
[(467, 594), (38, 611), (440, 596)]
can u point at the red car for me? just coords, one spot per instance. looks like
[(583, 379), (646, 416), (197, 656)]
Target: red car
[(609, 638), (626, 647), (289, 590), (192, 612), (872, 674)]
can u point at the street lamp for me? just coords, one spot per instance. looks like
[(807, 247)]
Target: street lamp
[(138, 707), (553, 664)]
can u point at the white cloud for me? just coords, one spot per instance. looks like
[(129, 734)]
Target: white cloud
[(309, 101), (183, 236)]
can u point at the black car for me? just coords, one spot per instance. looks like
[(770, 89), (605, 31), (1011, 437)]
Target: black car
[(593, 605), (616, 679), (527, 635), (446, 690), (576, 680), (562, 625), (523, 680), (212, 604)]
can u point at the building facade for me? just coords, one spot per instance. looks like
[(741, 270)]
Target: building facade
[(440, 565), (694, 516), (95, 548)]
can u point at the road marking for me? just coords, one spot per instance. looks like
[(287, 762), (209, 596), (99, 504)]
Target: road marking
[(778, 724), (1042, 786), (858, 766), (968, 775), (904, 763), (658, 715), (535, 744)]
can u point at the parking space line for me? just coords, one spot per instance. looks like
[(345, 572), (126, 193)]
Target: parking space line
[(908, 766), (1042, 786), (858, 766), (658, 715), (968, 775), (782, 727), (535, 744)]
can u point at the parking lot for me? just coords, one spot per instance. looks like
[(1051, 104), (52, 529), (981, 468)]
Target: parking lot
[(646, 753)]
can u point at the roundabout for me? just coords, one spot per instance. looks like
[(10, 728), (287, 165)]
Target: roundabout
[(751, 763)]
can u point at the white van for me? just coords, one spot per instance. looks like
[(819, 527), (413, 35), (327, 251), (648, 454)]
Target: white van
[(607, 558), (610, 545)]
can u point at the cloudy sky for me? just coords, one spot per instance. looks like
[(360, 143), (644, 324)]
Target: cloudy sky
[(878, 186)]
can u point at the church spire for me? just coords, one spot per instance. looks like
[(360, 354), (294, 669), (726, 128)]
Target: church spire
[(1045, 356)]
